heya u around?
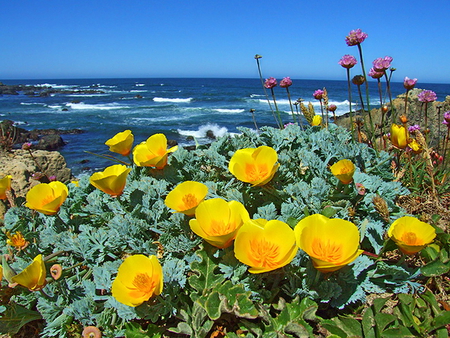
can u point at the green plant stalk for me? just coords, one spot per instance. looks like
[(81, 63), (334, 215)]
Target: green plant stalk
[(350, 102), (264, 88), (290, 104), (382, 113), (367, 87), (280, 123), (388, 87)]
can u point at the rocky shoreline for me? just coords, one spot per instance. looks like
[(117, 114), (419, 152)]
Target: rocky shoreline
[(43, 91)]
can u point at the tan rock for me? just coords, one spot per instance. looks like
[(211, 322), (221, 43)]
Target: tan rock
[(21, 166)]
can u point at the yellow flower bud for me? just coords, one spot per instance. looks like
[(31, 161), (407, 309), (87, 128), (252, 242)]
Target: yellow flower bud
[(112, 180), (121, 143), (399, 136), (5, 185), (153, 152)]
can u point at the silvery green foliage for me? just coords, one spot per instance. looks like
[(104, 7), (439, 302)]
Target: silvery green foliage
[(94, 232)]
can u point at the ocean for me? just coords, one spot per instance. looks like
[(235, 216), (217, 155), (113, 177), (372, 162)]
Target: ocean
[(183, 109)]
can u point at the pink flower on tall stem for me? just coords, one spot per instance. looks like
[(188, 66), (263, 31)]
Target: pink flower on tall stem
[(427, 96), (409, 83), (447, 118), (348, 61), (375, 74), (270, 83), (318, 94), (381, 64), (355, 37), (286, 82)]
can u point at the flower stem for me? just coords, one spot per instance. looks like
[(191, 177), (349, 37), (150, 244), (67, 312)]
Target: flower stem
[(280, 123), (350, 101), (290, 104)]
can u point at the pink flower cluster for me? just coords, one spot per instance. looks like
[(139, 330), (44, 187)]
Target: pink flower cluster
[(348, 61), (318, 94), (427, 96), (355, 37), (447, 118), (409, 83), (381, 64), (375, 74), (270, 83), (413, 128), (286, 82)]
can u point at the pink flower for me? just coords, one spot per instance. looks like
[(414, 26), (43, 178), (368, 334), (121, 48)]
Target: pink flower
[(427, 96), (286, 82), (413, 128), (332, 107), (381, 64), (318, 94), (374, 74), (355, 37), (270, 83), (447, 118), (360, 188), (348, 61), (409, 83)]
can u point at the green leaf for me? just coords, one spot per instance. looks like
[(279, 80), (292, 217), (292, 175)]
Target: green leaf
[(15, 317), (134, 330), (398, 332), (368, 324), (440, 320), (435, 268), (383, 320)]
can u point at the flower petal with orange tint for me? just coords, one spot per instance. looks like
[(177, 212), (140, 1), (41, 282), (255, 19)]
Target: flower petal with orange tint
[(343, 170), (121, 143), (33, 276), (153, 152), (186, 197), (112, 180), (47, 198)]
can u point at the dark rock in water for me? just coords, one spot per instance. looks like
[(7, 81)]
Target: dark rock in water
[(171, 143), (64, 109), (84, 161), (190, 138), (50, 142), (75, 101), (42, 91), (210, 134), (138, 96)]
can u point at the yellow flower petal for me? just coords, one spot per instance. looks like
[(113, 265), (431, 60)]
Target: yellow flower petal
[(121, 143), (218, 221), (316, 121), (5, 185), (410, 234), (343, 170), (33, 276), (186, 197), (139, 278), (254, 165), (153, 152), (265, 245), (112, 180), (47, 198), (399, 136), (330, 243)]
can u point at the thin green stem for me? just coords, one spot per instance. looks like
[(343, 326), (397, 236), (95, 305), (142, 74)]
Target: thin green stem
[(280, 123), (264, 88), (350, 101), (290, 104)]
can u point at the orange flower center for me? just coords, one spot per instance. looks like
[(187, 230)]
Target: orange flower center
[(189, 201), (219, 228), (256, 172), (410, 238), (326, 250), (144, 285), (17, 240), (264, 254)]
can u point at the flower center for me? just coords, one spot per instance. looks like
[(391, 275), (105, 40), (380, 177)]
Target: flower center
[(264, 254), (189, 201), (410, 238), (256, 172), (327, 251), (143, 283), (219, 228)]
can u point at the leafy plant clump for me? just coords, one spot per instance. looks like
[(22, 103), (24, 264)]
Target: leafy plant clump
[(205, 288)]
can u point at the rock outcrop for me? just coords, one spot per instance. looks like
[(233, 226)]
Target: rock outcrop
[(25, 168)]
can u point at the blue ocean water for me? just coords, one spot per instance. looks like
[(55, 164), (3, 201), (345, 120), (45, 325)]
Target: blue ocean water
[(180, 108)]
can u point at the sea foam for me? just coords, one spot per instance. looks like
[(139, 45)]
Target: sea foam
[(203, 130), (177, 100)]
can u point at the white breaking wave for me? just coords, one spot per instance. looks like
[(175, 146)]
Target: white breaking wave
[(140, 84), (202, 130), (229, 110), (84, 106), (177, 100)]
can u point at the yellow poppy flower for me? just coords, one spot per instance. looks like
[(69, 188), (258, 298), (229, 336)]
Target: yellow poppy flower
[(254, 165), (121, 143), (415, 147), (410, 234), (317, 120), (343, 170), (186, 197), (153, 152), (17, 240), (47, 198), (138, 279), (33, 276), (218, 221), (112, 180), (5, 185), (399, 136), (265, 245), (330, 243)]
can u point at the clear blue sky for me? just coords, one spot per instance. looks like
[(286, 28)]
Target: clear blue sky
[(200, 38)]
